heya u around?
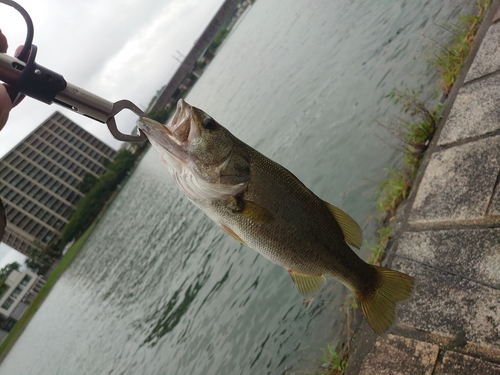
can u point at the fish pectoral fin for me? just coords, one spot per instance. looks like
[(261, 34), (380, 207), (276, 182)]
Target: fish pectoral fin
[(255, 212), (232, 234), (353, 234), (307, 284)]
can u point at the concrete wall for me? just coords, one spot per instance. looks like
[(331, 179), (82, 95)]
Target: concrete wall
[(189, 63)]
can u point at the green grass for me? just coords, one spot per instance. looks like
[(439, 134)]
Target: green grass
[(44, 291), (393, 190), (415, 131), (451, 57), (376, 249), (418, 123), (334, 363)]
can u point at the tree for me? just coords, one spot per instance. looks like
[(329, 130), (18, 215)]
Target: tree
[(218, 39), (160, 116), (90, 206), (105, 162), (5, 271), (139, 147), (88, 182), (38, 261)]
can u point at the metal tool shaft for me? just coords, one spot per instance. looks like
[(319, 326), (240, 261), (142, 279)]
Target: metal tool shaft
[(51, 87), (85, 103), (72, 97)]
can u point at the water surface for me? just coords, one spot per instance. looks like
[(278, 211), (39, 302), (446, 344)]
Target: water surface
[(158, 288)]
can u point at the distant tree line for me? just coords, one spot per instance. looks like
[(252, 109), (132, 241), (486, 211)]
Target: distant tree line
[(98, 191), (160, 116), (41, 257), (163, 115), (218, 39)]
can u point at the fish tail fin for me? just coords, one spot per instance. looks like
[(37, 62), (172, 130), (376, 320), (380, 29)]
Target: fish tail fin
[(379, 304)]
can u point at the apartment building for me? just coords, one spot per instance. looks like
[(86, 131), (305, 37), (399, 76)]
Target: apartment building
[(16, 294), (39, 179)]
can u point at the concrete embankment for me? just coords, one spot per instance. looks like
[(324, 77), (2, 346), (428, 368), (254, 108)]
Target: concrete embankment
[(448, 237)]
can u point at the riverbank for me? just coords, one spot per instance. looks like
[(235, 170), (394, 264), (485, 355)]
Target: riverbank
[(447, 236), (54, 275), (57, 270)]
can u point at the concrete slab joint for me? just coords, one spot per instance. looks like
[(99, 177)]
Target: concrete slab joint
[(455, 363), (457, 283), (487, 59), (394, 355), (475, 112), (458, 183)]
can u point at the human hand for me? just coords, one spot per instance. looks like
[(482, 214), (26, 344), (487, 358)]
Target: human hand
[(5, 107), (5, 103)]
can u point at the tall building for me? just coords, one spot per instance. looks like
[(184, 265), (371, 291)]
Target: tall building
[(39, 179)]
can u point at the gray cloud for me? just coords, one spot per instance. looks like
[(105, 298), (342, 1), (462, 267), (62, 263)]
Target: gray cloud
[(116, 49)]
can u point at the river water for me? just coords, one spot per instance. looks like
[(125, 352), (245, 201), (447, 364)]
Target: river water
[(158, 288)]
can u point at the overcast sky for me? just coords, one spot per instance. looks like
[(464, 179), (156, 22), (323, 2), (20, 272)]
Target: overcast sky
[(116, 49)]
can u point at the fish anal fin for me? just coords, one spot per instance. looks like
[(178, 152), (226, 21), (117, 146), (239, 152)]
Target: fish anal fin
[(353, 234), (307, 284), (232, 234), (378, 305)]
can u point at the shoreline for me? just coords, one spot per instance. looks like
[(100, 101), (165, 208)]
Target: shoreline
[(58, 270), (433, 336)]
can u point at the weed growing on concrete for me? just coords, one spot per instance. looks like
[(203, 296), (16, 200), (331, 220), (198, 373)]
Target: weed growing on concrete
[(416, 129), (333, 362), (452, 56), (377, 248), (392, 190)]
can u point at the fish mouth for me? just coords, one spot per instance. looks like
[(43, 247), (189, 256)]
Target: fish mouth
[(181, 126), (171, 141), (181, 130)]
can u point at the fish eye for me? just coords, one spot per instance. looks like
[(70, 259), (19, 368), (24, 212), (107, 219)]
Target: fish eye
[(209, 123)]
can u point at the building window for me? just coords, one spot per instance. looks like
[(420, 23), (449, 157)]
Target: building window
[(16, 292), (26, 279), (8, 303)]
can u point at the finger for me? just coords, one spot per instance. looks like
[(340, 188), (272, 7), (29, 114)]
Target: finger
[(18, 51), (5, 106), (3, 43)]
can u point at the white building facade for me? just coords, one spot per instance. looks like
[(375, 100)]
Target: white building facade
[(19, 289)]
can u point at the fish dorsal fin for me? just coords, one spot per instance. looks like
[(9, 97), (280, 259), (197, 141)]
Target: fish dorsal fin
[(232, 234), (255, 212), (307, 284), (353, 234)]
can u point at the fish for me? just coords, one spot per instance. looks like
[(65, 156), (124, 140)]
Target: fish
[(265, 207)]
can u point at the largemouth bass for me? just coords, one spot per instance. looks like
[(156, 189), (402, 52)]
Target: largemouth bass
[(264, 206)]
